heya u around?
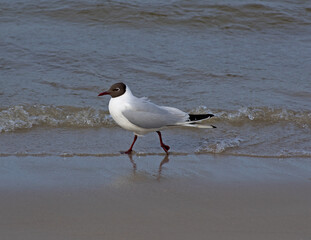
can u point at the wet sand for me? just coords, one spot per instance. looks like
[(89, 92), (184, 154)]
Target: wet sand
[(154, 197)]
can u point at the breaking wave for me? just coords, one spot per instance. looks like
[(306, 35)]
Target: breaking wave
[(233, 146), (29, 116), (219, 146), (26, 117), (264, 115)]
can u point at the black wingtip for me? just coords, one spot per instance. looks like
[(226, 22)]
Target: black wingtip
[(213, 126), (197, 117)]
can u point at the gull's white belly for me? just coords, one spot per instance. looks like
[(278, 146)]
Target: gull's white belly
[(115, 108)]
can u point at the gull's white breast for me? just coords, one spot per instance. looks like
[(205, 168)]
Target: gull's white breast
[(121, 104)]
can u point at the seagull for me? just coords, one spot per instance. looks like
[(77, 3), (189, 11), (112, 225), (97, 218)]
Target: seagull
[(141, 116)]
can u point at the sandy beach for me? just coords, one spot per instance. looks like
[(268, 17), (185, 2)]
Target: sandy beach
[(154, 197)]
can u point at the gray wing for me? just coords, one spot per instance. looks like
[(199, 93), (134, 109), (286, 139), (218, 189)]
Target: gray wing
[(148, 115)]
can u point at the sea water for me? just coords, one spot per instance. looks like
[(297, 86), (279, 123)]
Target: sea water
[(246, 62)]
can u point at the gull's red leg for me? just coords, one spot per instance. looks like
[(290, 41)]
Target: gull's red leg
[(130, 149), (165, 147)]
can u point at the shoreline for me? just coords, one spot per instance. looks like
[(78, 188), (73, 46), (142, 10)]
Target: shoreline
[(48, 172)]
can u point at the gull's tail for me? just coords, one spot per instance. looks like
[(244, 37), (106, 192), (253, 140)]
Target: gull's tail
[(196, 119)]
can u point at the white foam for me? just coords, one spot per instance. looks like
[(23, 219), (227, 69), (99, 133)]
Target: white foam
[(25, 117), (266, 115), (220, 145)]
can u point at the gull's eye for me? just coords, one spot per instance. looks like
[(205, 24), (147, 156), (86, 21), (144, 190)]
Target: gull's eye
[(116, 89)]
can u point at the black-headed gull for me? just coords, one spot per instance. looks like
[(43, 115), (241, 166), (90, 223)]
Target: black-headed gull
[(141, 116)]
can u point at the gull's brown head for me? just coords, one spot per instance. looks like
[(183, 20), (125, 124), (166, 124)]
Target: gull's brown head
[(115, 90)]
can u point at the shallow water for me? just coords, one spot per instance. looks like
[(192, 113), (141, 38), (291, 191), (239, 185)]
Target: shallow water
[(247, 62)]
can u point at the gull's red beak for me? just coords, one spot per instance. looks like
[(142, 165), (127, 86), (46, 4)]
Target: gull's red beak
[(104, 93)]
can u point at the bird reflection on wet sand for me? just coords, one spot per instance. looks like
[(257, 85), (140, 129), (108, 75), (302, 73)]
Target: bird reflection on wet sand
[(164, 161)]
